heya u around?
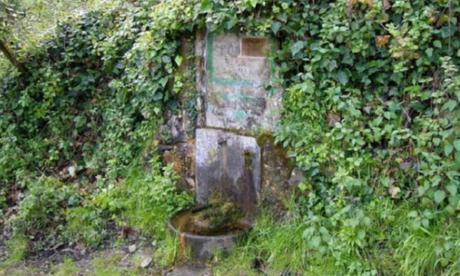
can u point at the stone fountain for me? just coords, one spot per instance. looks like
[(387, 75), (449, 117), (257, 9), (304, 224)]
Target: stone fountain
[(228, 172)]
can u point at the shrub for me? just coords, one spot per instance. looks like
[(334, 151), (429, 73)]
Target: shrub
[(41, 214), (145, 199), (86, 224)]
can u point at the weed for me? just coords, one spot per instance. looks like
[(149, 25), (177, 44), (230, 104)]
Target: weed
[(86, 224), (146, 199), (392, 245), (170, 251), (17, 249), (431, 251), (66, 268), (42, 210), (109, 266)]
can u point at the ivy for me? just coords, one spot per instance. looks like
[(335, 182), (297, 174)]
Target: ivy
[(369, 109), (370, 114)]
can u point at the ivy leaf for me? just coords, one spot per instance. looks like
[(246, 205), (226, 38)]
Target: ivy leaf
[(429, 52), (448, 149), (231, 23), (452, 189), (205, 4), (457, 144), (315, 242), (439, 196), (297, 47), (166, 59), (342, 77), (412, 214), (276, 27), (450, 105), (437, 44), (253, 3), (178, 60), (163, 81)]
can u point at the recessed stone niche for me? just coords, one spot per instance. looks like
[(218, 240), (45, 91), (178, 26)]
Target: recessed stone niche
[(228, 167), (254, 47)]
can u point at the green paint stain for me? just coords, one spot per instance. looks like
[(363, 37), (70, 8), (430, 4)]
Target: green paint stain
[(238, 97), (240, 115)]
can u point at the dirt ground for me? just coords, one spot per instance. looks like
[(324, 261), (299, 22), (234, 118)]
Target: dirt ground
[(136, 258)]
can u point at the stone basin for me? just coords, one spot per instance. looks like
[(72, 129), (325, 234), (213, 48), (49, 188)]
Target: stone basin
[(205, 245)]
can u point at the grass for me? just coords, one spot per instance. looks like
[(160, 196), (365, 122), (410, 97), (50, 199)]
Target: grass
[(66, 268), (168, 251), (274, 248), (431, 252), (17, 247), (103, 266)]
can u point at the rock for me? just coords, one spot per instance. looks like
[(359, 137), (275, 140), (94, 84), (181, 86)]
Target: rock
[(168, 157), (228, 166), (72, 171), (169, 132), (132, 248), (177, 128), (190, 182), (394, 191), (172, 158), (146, 261)]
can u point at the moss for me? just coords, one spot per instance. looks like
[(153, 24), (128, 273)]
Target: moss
[(265, 138), (213, 219)]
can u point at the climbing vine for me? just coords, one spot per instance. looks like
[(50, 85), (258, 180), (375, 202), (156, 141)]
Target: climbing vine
[(370, 113)]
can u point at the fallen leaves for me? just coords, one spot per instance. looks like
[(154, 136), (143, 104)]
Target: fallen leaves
[(352, 3), (382, 40)]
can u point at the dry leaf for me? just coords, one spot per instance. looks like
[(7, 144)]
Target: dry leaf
[(394, 191), (333, 119), (382, 40), (386, 5), (443, 19), (432, 19), (352, 3)]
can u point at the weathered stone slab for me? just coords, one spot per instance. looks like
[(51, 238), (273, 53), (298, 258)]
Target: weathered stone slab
[(228, 167), (237, 73)]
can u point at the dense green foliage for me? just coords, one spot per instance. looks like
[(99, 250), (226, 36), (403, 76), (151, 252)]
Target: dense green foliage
[(370, 115), (87, 114), (363, 119)]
